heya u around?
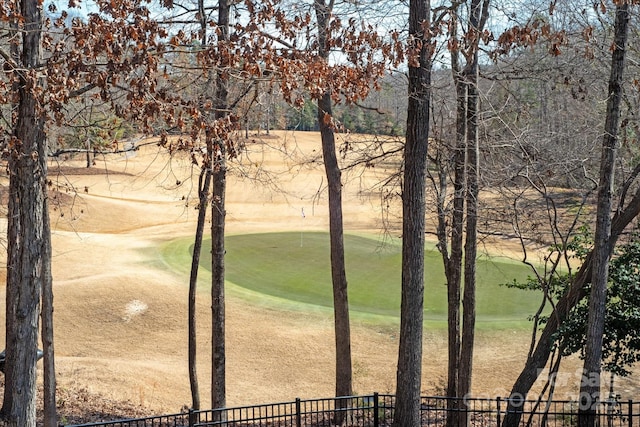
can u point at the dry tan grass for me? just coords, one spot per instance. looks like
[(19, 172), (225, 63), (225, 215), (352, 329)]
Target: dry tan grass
[(121, 319)]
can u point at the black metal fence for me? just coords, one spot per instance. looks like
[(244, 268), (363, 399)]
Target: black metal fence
[(376, 410)]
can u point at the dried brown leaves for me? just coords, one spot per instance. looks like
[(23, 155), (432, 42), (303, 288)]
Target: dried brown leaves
[(124, 58)]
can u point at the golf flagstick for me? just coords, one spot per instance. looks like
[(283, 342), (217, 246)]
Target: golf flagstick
[(302, 229)]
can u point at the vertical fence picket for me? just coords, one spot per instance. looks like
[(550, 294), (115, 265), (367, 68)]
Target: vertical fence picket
[(498, 410), (192, 419), (376, 412), (298, 414)]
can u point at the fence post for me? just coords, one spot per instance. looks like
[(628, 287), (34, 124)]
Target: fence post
[(376, 407), (192, 417), (298, 413), (499, 409), (630, 417)]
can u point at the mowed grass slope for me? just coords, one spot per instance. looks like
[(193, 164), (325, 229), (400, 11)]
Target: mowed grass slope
[(295, 267)]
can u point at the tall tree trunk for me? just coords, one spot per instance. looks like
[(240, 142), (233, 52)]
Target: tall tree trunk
[(344, 373), (453, 270), (453, 265), (477, 18), (204, 183), (218, 380), (28, 245), (50, 403), (462, 337), (590, 385), (218, 213), (470, 251), (409, 370), (338, 272)]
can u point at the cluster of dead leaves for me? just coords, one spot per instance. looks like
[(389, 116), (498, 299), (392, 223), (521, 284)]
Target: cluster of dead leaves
[(78, 405)]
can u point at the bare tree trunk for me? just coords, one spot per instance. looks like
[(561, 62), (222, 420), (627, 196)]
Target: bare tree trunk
[(88, 147), (462, 337), (477, 19), (344, 373), (338, 271), (203, 194), (29, 245), (453, 266), (590, 385), (204, 184), (218, 380), (50, 403), (470, 252), (409, 370), (218, 213)]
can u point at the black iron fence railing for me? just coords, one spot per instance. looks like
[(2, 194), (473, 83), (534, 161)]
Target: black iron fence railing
[(376, 410)]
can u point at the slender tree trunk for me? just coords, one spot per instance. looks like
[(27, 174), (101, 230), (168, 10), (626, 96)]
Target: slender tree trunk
[(204, 184), (28, 242), (203, 194), (338, 271), (590, 385), (218, 380), (453, 268), (50, 413), (409, 370), (470, 251), (218, 151), (344, 374), (462, 337), (477, 19), (88, 147), (50, 403)]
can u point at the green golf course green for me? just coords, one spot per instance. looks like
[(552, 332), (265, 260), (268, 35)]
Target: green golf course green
[(295, 267)]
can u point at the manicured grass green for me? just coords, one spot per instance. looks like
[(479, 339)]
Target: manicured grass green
[(296, 267)]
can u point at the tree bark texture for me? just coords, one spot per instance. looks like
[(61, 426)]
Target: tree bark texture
[(466, 188), (477, 19), (218, 380), (203, 193), (453, 264), (409, 370), (50, 414), (338, 270), (344, 373), (29, 245), (204, 185), (471, 247), (218, 214), (590, 384)]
